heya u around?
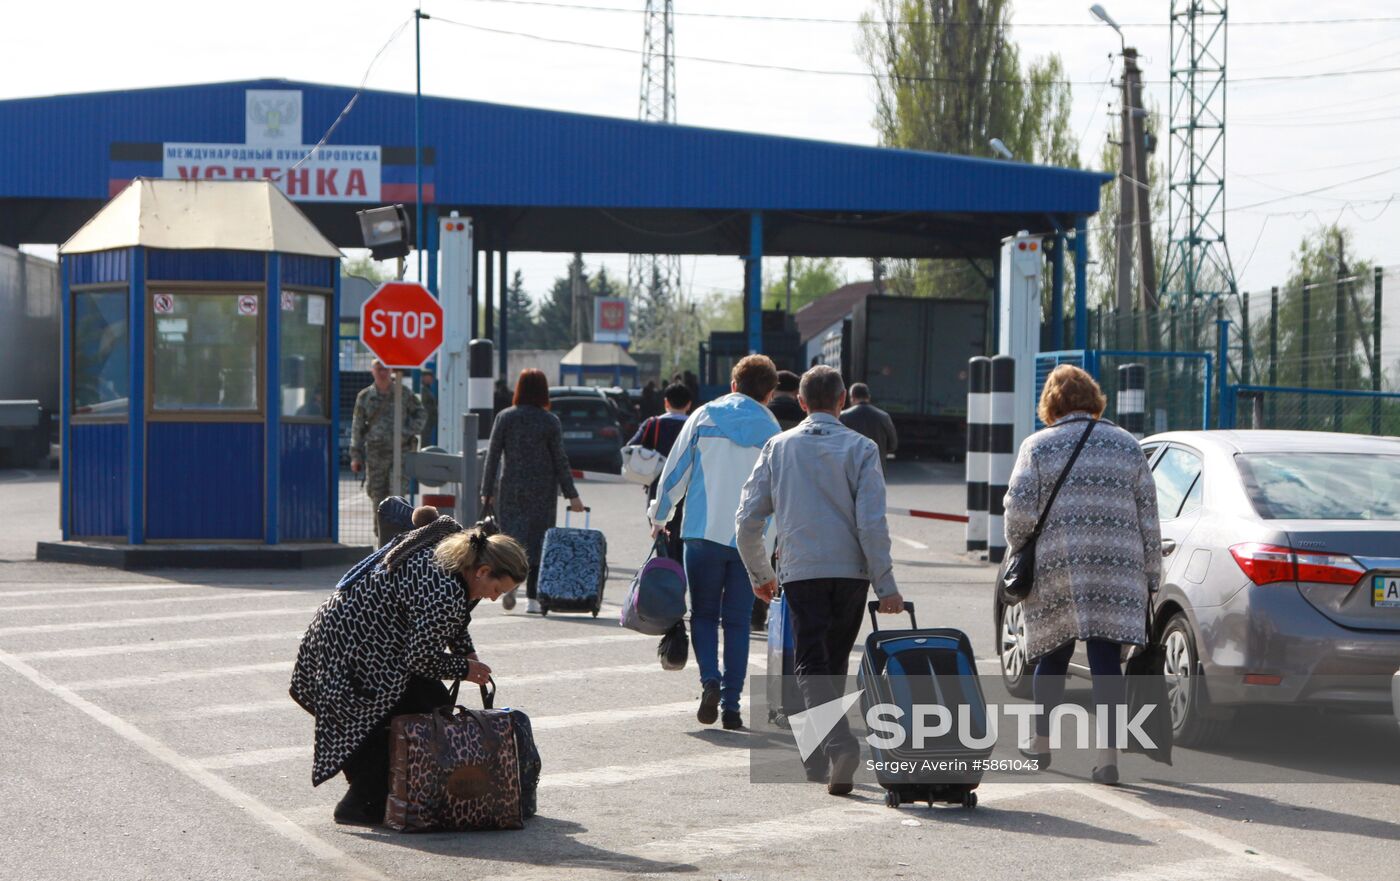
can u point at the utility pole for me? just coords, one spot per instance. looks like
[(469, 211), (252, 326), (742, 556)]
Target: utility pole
[(576, 297), (1142, 181), (789, 285), (1127, 188)]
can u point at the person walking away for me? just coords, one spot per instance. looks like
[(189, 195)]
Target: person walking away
[(652, 401), (865, 418), (1099, 555), (427, 391), (381, 645), (502, 397), (822, 485), (525, 472), (659, 433), (712, 456), (784, 403), (372, 436)]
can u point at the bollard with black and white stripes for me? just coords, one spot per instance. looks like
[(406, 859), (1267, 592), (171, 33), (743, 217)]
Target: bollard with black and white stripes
[(979, 404), (1001, 453), (1132, 399)]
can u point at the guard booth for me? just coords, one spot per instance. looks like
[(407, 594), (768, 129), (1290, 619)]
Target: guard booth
[(199, 376), (598, 364)]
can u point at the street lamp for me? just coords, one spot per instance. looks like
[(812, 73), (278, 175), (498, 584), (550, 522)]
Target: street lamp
[(1102, 15), (1000, 148)]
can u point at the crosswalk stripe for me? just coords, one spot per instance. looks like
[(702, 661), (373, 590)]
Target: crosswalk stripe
[(97, 651), (612, 716), (75, 626), (724, 840), (1224, 868), (178, 676), (255, 757), (106, 588), (612, 775), (148, 601)]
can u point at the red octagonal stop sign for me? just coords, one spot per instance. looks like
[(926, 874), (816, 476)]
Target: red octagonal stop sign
[(401, 323)]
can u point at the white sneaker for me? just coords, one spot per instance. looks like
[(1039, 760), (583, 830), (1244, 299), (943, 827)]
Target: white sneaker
[(508, 600), (533, 608)]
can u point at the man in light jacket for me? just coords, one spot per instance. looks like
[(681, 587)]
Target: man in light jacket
[(713, 454), (824, 486)]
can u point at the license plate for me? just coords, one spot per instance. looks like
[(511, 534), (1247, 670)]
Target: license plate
[(578, 435), (1385, 591)]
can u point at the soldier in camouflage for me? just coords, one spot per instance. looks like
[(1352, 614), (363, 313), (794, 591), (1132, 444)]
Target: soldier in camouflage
[(372, 435)]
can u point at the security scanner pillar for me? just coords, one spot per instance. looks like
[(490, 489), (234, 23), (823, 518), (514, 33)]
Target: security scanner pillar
[(1022, 257)]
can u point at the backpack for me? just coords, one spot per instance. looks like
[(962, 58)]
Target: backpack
[(656, 600)]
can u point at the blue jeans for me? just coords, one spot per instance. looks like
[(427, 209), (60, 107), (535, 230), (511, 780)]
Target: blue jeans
[(1105, 668), (719, 593)]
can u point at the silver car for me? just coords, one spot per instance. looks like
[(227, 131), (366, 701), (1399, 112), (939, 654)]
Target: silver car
[(1281, 577)]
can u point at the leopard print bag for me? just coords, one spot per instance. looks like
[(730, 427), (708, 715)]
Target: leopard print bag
[(454, 769)]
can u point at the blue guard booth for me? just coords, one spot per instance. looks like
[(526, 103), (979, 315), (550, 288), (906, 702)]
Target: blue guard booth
[(598, 364), (198, 371)]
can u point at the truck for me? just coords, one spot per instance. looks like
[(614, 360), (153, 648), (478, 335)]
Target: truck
[(912, 352), (29, 357)]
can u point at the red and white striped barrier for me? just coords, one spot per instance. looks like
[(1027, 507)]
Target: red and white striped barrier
[(603, 477)]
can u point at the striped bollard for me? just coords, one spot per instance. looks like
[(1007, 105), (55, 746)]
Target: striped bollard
[(1132, 399), (1001, 455), (979, 403)]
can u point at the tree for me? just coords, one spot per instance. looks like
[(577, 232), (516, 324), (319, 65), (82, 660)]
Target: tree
[(949, 79), (520, 314), (365, 266), (1307, 351), (812, 279)]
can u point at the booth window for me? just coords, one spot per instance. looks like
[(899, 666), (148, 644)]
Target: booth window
[(101, 374), (304, 327), (204, 351)]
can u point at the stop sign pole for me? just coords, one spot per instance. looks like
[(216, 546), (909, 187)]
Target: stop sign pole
[(401, 323)]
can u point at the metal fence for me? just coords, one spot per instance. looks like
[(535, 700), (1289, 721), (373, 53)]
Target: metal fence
[(1284, 347)]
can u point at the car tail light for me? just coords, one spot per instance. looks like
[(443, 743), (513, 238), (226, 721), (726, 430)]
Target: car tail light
[(1329, 568), (1264, 564), (1268, 564), (608, 432), (1262, 679)]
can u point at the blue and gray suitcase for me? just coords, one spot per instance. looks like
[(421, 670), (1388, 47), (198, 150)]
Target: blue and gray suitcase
[(783, 695), (914, 667), (573, 568)]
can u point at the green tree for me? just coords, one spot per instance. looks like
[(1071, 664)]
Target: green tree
[(812, 279), (949, 78), (1307, 349), (365, 266), (520, 314)]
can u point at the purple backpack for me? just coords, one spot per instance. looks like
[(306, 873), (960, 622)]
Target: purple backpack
[(656, 599)]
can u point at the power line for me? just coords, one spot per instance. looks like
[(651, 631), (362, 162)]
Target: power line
[(560, 41), (734, 16)]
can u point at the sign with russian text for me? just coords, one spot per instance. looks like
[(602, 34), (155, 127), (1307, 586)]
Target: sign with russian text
[(331, 174)]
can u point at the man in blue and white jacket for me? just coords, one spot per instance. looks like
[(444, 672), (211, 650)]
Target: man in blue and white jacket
[(712, 457)]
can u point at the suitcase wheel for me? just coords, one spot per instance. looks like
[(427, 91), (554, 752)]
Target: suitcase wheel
[(969, 800), (595, 613), (891, 799)]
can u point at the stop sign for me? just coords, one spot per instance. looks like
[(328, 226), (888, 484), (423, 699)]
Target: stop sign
[(401, 323)]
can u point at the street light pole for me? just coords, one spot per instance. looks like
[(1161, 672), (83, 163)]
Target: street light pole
[(418, 17)]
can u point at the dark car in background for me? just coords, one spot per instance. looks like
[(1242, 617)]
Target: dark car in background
[(625, 410), (592, 436), (1280, 575)]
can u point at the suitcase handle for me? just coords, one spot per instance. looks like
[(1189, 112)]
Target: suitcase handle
[(587, 516), (908, 607)]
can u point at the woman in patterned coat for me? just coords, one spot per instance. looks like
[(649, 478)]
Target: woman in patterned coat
[(1099, 555), (382, 644), (527, 456)]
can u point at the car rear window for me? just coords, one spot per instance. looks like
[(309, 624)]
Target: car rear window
[(1322, 486), (581, 410)]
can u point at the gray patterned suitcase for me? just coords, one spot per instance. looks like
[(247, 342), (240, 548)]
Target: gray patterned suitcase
[(573, 568)]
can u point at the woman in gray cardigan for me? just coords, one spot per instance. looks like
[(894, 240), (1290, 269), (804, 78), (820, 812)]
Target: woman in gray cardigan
[(1099, 556), (527, 455)]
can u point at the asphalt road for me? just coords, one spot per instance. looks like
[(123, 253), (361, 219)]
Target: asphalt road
[(149, 735)]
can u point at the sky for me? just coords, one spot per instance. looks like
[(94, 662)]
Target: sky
[(1330, 137)]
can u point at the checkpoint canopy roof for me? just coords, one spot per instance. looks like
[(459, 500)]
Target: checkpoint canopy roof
[(193, 215), (532, 180), (598, 355)]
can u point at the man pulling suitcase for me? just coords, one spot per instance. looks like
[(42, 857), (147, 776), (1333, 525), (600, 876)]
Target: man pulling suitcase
[(825, 489)]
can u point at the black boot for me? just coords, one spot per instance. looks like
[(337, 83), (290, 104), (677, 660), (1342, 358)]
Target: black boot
[(709, 704), (355, 809)]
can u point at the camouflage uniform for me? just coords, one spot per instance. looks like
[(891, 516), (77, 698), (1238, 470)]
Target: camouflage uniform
[(372, 439)]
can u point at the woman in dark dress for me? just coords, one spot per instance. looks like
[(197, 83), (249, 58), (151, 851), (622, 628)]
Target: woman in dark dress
[(526, 470), (381, 645)]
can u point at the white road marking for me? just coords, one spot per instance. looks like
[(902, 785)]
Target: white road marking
[(611, 717), (58, 591), (283, 703), (1222, 843), (178, 676), (75, 626), (131, 648), (274, 820), (581, 673), (250, 758), (1211, 868), (612, 775), (841, 818), (147, 601), (909, 542)]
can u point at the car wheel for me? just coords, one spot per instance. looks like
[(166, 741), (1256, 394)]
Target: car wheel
[(1011, 647), (1194, 722)]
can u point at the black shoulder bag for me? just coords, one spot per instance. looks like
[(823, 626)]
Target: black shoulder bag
[(1017, 577)]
